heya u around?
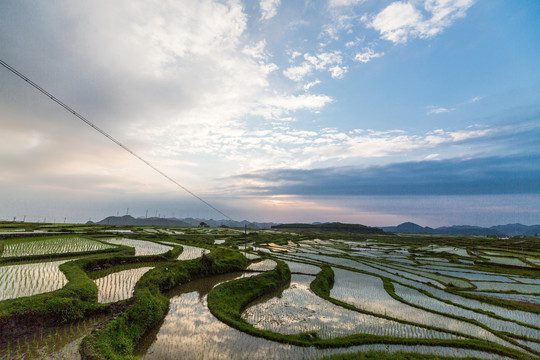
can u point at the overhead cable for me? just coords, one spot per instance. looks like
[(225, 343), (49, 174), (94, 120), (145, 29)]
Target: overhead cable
[(104, 133)]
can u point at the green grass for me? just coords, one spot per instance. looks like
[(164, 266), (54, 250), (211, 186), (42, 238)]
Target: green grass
[(382, 355), (227, 301), (76, 299), (119, 338)]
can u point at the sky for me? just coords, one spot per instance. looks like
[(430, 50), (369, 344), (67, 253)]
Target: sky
[(359, 111)]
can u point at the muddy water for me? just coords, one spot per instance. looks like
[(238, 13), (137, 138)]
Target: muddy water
[(190, 331), (60, 342)]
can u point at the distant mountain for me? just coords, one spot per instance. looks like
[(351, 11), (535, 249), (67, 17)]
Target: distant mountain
[(466, 230), (408, 228), (231, 223), (332, 227), (518, 229), (128, 220)]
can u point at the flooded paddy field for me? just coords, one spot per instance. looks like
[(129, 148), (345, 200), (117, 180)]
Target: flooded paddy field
[(394, 294), (264, 265), (190, 331), (55, 343), (55, 245), (191, 252), (141, 247), (119, 285), (30, 279), (297, 309)]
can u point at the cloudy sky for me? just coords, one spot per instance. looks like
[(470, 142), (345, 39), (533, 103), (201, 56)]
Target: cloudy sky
[(364, 111)]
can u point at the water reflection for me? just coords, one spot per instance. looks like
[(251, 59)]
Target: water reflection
[(190, 331), (297, 309), (61, 342)]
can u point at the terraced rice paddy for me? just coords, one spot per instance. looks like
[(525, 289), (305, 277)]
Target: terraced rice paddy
[(141, 247), (119, 285), (501, 286), (388, 290), (298, 310), (447, 249), (413, 296), (57, 245), (30, 279), (531, 299), (264, 265), (191, 252), (190, 331), (250, 256), (56, 343), (506, 261), (371, 296), (297, 267)]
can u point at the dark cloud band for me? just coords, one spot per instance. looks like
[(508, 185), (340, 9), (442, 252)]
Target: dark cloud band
[(490, 175)]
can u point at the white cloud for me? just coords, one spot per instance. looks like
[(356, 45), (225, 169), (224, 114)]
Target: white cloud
[(370, 144), (434, 110), (309, 85), (474, 99), (297, 73), (256, 50), (367, 55), (338, 72), (325, 61), (322, 60), (277, 106), (269, 8), (341, 22), (343, 3), (294, 55), (401, 20)]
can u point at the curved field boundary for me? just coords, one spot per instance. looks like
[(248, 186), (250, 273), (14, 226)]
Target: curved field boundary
[(324, 283), (120, 336), (75, 300), (227, 301), (16, 259)]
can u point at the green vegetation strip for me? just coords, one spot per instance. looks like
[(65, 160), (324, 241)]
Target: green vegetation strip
[(382, 355), (322, 285), (118, 339), (509, 304), (228, 300), (75, 300), (389, 287), (26, 258)]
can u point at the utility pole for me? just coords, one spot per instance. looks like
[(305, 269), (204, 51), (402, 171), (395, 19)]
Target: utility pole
[(146, 213), (65, 220), (24, 218), (127, 211)]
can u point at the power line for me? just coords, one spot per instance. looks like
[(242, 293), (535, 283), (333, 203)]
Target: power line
[(104, 133)]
